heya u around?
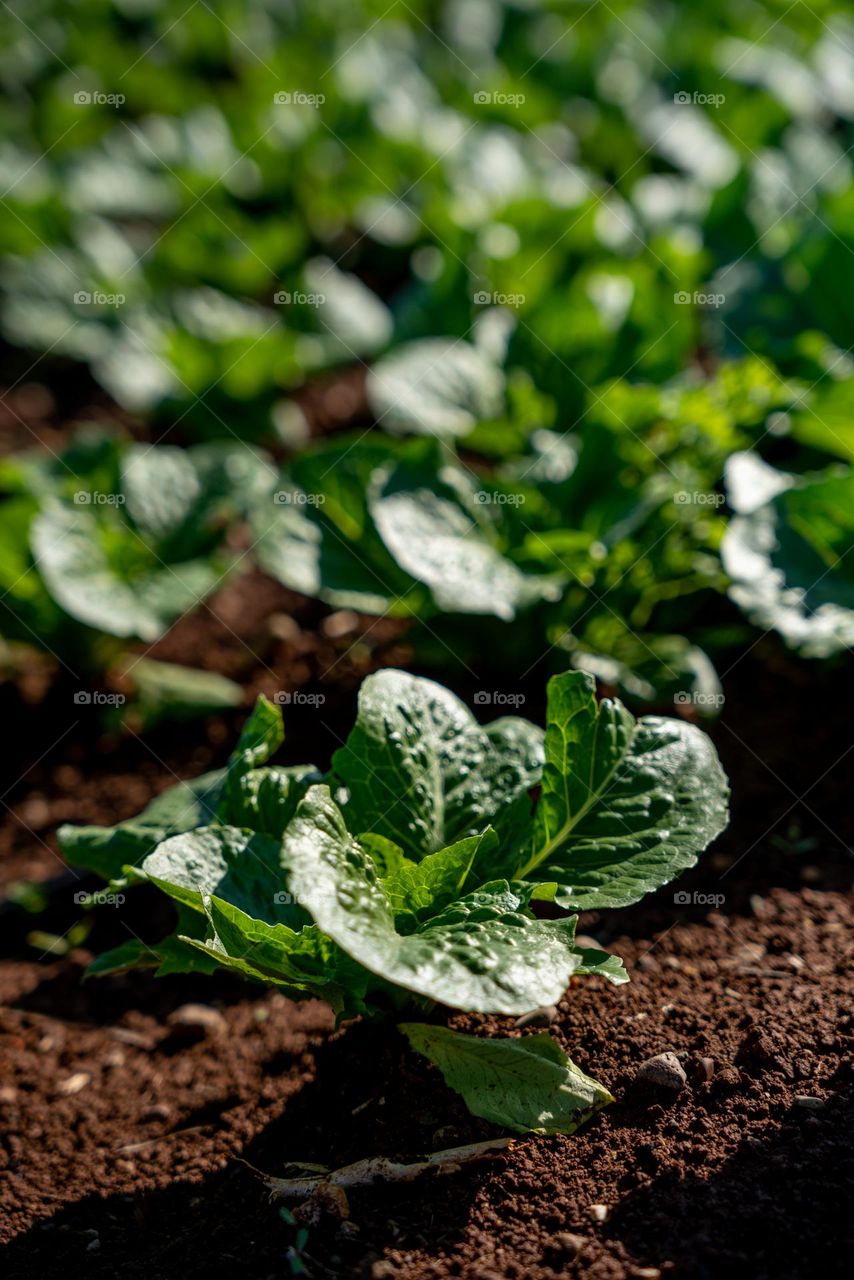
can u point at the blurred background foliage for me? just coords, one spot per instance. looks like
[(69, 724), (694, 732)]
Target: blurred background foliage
[(591, 161), (597, 249)]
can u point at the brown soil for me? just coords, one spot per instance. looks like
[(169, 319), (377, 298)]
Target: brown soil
[(122, 1131)]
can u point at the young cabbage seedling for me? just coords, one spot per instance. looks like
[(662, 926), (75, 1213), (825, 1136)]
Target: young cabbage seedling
[(405, 876)]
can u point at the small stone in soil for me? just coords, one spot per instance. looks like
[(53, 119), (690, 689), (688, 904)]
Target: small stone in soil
[(567, 1244), (198, 1015), (809, 1103), (74, 1083), (537, 1017), (664, 1071), (599, 1212)]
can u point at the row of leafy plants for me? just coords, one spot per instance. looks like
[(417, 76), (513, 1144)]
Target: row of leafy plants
[(208, 206), (607, 547)]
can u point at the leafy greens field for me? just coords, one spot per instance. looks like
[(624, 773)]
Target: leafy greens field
[(396, 364)]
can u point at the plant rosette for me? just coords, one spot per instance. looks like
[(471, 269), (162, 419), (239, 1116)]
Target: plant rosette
[(406, 877)]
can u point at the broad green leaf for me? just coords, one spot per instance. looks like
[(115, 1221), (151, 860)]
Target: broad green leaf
[(526, 1084), (266, 799), (165, 690), (788, 552), (297, 544), (302, 960), (160, 486), (244, 868), (421, 771), (435, 386), (625, 805), (482, 953), (430, 528), (106, 850), (67, 546), (78, 556), (262, 735), (354, 320), (417, 890)]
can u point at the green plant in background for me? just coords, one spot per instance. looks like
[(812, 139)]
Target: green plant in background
[(112, 541), (598, 547), (404, 878), (207, 205)]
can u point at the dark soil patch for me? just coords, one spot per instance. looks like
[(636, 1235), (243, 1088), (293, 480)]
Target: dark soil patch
[(121, 1136)]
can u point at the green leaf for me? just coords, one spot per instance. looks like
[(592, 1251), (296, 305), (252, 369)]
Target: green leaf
[(302, 960), (244, 868), (417, 890), (482, 953), (788, 552), (166, 691), (428, 520), (266, 799), (103, 576), (316, 535), (526, 1084), (262, 735), (107, 850), (625, 805), (435, 386), (421, 771)]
